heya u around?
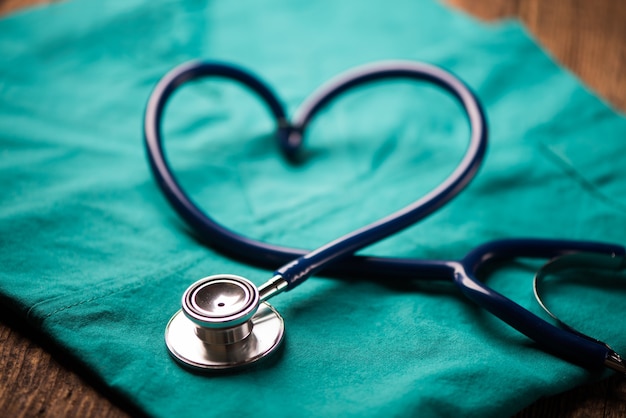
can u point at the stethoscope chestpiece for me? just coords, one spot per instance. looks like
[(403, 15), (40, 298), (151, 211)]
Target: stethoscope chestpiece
[(223, 325)]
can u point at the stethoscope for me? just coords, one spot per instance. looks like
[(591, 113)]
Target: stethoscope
[(226, 322)]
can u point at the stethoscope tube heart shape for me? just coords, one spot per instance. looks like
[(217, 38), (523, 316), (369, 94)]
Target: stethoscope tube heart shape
[(225, 321), (290, 140)]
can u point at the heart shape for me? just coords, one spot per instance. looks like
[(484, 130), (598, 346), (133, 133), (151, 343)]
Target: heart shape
[(339, 253)]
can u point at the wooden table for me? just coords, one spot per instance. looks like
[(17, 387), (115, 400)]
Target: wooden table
[(589, 37)]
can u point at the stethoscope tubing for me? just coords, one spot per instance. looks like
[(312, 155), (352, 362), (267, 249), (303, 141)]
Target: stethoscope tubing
[(337, 257), (298, 270), (306, 262)]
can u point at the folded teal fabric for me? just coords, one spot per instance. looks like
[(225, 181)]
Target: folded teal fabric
[(94, 257)]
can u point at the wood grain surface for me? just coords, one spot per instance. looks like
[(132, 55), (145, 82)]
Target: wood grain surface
[(587, 36)]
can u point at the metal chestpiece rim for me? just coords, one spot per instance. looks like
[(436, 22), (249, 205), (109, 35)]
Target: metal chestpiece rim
[(222, 325), (221, 301)]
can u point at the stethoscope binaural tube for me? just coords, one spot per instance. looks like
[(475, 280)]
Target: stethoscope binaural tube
[(209, 336), (586, 262), (562, 341)]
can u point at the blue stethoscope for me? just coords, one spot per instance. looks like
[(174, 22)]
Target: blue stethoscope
[(225, 321)]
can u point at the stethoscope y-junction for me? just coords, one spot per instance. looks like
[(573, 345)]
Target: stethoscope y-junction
[(225, 321)]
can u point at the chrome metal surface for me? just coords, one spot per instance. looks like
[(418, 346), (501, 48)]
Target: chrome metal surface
[(190, 351), (272, 287), (221, 301), (615, 362), (224, 335)]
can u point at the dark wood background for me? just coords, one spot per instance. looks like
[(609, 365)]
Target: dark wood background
[(587, 36)]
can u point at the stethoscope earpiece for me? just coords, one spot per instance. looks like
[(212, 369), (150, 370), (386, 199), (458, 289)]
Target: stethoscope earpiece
[(223, 325)]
